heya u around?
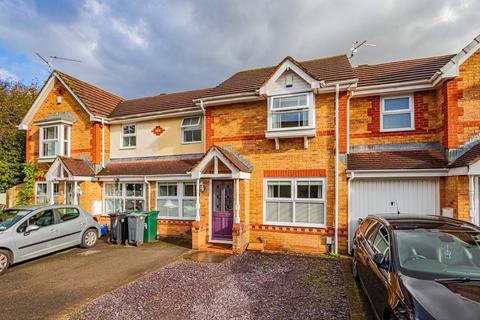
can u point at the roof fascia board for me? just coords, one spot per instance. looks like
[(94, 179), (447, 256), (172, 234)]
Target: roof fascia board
[(169, 177), (92, 117), (392, 89), (451, 68), (47, 87), (156, 115), (286, 66), (397, 173)]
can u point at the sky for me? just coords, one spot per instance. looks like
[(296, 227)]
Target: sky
[(141, 48)]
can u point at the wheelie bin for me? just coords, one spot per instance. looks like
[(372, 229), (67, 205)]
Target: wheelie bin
[(150, 233), (136, 222), (118, 227)]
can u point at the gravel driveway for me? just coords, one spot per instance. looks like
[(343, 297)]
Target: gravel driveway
[(250, 286)]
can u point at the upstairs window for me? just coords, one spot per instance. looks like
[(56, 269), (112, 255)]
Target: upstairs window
[(191, 130), (55, 141), (397, 114), (129, 136), (291, 111)]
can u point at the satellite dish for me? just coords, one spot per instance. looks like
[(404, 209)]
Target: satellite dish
[(49, 61)]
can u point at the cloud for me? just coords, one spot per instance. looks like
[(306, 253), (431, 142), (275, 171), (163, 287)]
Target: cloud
[(148, 47), (7, 75)]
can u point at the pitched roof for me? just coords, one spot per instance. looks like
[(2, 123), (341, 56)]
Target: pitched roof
[(98, 101), (400, 71), (396, 160), (77, 167), (235, 159), (149, 167), (327, 69), (163, 102), (468, 158)]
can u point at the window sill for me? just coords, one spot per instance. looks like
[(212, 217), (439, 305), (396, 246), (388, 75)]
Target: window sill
[(397, 130), (176, 218), (128, 148), (192, 142), (290, 133), (299, 225), (49, 159)]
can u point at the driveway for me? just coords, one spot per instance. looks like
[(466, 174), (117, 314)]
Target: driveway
[(250, 286), (53, 286)]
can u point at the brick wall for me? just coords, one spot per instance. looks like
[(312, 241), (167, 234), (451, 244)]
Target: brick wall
[(365, 121), (85, 136), (242, 127)]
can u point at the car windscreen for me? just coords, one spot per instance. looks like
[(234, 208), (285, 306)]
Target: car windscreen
[(438, 253), (11, 216)]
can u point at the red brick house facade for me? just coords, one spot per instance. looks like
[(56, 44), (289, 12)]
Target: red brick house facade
[(287, 157)]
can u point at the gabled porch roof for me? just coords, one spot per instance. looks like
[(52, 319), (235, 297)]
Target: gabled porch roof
[(70, 169), (222, 162)]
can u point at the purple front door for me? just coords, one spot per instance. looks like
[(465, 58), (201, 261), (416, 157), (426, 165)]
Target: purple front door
[(222, 210)]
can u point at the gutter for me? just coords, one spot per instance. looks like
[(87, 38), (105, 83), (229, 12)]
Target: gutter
[(103, 142)]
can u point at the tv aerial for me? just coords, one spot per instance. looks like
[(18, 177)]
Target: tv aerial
[(357, 44), (49, 61)]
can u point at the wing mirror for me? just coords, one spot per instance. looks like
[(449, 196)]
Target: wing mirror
[(379, 260), (30, 228)]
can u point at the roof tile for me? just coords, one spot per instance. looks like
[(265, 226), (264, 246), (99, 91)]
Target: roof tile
[(149, 167)]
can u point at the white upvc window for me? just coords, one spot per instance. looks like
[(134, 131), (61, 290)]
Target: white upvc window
[(128, 196), (176, 200), (54, 141), (191, 130), (41, 193), (289, 112), (129, 136), (295, 202), (397, 114)]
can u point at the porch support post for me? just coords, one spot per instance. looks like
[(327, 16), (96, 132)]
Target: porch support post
[(471, 198), (197, 204), (75, 197), (50, 191), (237, 201)]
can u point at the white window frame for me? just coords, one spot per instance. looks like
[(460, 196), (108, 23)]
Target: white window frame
[(309, 107), (191, 127), (46, 195), (61, 140), (179, 198), (123, 135), (294, 199), (123, 197), (410, 110)]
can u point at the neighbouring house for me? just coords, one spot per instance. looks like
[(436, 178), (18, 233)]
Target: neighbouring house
[(286, 157)]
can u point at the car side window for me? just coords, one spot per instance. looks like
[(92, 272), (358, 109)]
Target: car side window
[(67, 214), (370, 232), (381, 243), (41, 219)]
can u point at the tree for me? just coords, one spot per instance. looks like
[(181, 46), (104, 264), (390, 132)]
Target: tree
[(15, 100)]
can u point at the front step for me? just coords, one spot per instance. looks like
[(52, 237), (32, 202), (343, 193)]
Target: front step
[(217, 247)]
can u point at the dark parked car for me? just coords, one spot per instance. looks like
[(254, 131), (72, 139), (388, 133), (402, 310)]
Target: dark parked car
[(419, 267)]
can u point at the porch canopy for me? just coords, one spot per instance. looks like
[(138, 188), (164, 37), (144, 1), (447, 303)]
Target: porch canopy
[(222, 163), (71, 171)]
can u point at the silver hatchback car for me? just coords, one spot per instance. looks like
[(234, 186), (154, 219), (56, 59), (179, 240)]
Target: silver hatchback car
[(31, 231)]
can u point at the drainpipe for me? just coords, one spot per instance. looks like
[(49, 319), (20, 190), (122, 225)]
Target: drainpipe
[(471, 198), (337, 89), (204, 126), (348, 124), (148, 193), (103, 142), (349, 204)]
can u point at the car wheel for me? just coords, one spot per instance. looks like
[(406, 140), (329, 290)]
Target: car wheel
[(5, 261), (355, 266), (89, 238)]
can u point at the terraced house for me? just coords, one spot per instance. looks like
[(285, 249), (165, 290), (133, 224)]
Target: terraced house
[(286, 157)]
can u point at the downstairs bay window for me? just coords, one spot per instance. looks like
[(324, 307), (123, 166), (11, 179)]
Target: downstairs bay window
[(295, 202), (176, 200), (124, 197)]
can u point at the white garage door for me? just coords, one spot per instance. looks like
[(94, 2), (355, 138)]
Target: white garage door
[(376, 196)]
